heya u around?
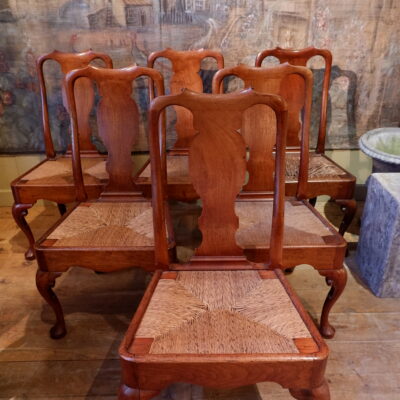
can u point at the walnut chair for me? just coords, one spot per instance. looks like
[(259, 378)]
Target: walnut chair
[(185, 75), (220, 320), (52, 178), (325, 176), (308, 236), (116, 230)]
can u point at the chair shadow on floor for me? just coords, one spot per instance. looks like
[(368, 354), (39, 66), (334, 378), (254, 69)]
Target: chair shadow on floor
[(98, 308), (39, 222), (177, 391)]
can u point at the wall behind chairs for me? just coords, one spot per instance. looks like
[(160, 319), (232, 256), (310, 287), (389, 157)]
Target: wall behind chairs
[(362, 35)]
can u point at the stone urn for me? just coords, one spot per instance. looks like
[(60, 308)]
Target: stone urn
[(383, 145)]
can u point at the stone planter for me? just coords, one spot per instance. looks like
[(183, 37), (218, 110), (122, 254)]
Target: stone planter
[(383, 145), (378, 250)]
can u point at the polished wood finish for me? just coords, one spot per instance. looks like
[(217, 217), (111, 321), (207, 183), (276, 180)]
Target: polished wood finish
[(223, 113), (118, 121), (185, 75), (186, 66), (84, 93), (340, 186), (116, 231), (308, 238), (301, 58), (174, 335), (294, 84), (39, 182), (337, 279)]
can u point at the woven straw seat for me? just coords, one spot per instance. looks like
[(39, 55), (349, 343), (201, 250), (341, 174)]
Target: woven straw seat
[(202, 312), (302, 225), (221, 329), (305, 231), (59, 172), (320, 169), (177, 167), (109, 232), (106, 225)]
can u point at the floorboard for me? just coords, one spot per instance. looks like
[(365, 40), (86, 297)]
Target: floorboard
[(364, 361)]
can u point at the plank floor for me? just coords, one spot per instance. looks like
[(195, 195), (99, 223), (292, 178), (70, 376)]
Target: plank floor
[(365, 354)]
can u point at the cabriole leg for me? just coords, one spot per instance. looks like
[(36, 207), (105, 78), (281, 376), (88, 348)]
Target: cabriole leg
[(337, 279), (289, 271), (19, 212), (45, 281), (62, 208), (349, 207), (313, 201), (318, 393)]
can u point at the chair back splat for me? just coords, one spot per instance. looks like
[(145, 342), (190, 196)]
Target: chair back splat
[(84, 95), (118, 125), (186, 66), (301, 58), (217, 168), (294, 84)]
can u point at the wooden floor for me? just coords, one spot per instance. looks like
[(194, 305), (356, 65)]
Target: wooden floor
[(365, 354)]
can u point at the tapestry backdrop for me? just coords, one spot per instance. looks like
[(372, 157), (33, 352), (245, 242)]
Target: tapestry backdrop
[(363, 36)]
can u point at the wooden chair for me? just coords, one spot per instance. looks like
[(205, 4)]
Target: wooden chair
[(185, 75), (324, 175), (115, 231), (220, 321), (52, 178), (308, 237)]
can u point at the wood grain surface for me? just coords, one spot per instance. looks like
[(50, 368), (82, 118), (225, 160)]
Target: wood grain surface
[(364, 359)]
